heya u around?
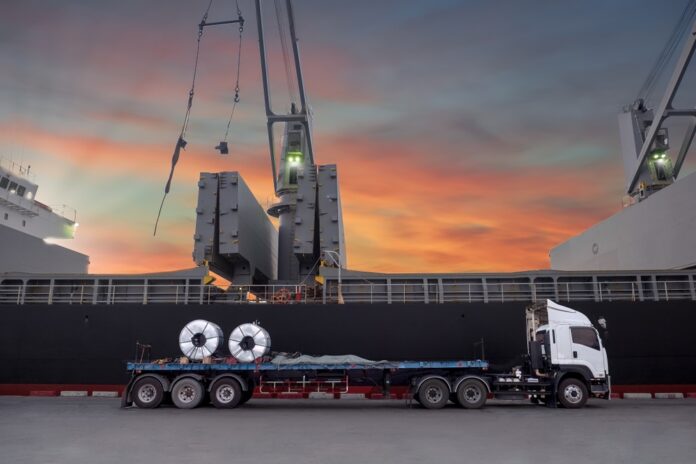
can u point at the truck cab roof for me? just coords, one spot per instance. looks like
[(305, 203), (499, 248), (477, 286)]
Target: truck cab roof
[(562, 315)]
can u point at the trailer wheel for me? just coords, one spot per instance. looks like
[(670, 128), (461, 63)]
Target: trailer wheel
[(226, 393), (572, 393), (472, 394), (187, 393), (147, 393), (433, 394)]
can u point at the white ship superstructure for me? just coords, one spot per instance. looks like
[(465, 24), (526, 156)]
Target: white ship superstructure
[(29, 228), (657, 229)]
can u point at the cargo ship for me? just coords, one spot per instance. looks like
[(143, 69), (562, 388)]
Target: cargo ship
[(66, 328)]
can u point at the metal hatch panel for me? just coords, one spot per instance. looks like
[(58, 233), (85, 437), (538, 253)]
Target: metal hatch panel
[(331, 236), (234, 236), (305, 215)]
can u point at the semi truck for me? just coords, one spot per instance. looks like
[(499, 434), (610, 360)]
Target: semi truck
[(565, 364)]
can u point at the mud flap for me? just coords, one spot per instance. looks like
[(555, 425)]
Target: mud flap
[(126, 400), (552, 399)]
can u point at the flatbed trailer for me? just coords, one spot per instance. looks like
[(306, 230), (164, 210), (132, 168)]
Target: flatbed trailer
[(565, 364), (232, 384), (468, 383)]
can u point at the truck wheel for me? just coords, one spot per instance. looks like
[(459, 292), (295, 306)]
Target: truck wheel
[(572, 393), (187, 393), (433, 394), (147, 393), (226, 393), (472, 394)]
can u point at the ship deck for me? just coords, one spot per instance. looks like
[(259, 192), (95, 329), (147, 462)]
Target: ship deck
[(188, 287)]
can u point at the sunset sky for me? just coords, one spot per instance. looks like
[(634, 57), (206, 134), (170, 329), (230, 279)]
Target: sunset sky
[(470, 135)]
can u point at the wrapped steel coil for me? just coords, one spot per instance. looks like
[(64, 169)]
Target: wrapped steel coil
[(249, 342), (200, 338)]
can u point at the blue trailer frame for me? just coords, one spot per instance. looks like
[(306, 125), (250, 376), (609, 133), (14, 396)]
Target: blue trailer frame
[(134, 367)]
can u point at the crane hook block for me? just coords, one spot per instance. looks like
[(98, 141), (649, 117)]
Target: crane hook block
[(222, 148)]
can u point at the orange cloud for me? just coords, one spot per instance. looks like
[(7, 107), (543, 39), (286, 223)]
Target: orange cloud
[(403, 212)]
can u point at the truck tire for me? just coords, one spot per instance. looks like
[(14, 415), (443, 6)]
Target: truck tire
[(472, 394), (187, 393), (147, 393), (572, 393), (433, 394), (226, 394)]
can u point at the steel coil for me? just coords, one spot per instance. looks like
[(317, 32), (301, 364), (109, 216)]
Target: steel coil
[(249, 342), (200, 338)]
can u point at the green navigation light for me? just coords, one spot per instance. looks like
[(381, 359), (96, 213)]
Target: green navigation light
[(294, 157)]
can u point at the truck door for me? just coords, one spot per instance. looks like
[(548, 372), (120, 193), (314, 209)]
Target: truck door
[(587, 350), (561, 345)]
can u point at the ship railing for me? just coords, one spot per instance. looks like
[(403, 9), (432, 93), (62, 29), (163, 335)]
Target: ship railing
[(63, 210), (132, 291), (16, 292), (501, 292)]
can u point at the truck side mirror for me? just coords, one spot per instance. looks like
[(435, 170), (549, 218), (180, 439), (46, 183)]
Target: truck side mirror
[(602, 322)]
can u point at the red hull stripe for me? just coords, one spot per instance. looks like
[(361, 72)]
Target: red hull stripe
[(51, 389)]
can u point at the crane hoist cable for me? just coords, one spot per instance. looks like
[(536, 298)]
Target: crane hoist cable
[(668, 50), (223, 145), (282, 34), (181, 142)]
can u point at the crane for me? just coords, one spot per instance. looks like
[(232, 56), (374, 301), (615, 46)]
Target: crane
[(234, 235), (645, 140)]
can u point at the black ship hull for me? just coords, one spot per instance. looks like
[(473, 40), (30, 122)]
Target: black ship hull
[(649, 343)]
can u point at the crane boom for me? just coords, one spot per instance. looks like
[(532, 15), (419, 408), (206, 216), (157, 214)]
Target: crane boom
[(644, 137), (302, 116)]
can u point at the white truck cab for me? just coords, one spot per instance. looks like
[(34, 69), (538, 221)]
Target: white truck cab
[(573, 340), (570, 345)]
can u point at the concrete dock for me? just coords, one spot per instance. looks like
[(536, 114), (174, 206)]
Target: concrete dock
[(90, 430)]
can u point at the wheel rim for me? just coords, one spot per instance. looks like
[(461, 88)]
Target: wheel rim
[(187, 394), (433, 395), (224, 394), (572, 394), (147, 393), (472, 394)]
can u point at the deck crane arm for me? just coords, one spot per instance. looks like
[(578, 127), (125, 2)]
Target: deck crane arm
[(644, 137), (302, 116), (308, 209)]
